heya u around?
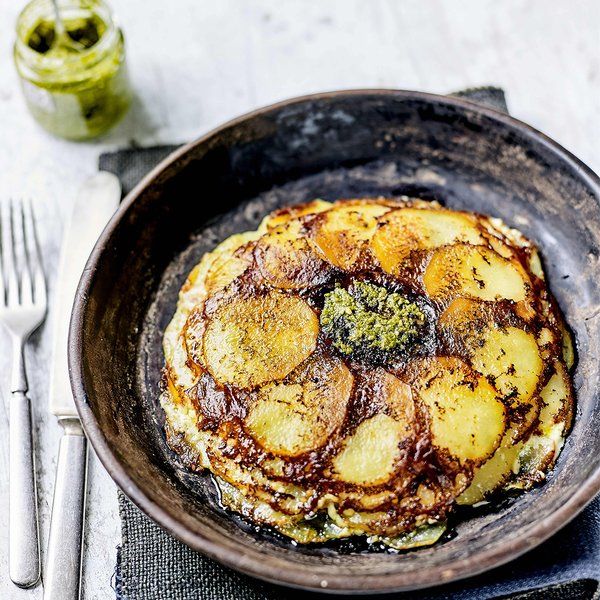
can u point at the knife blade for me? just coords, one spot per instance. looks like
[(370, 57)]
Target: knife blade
[(97, 201)]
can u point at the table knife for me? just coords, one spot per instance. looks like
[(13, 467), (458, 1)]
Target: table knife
[(97, 201)]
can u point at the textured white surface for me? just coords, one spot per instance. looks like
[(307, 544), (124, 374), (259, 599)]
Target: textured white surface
[(196, 64)]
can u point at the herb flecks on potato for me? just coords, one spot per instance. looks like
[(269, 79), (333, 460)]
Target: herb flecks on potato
[(362, 366)]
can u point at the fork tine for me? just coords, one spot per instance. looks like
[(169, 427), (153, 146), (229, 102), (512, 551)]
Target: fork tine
[(26, 284), (33, 253), (10, 267)]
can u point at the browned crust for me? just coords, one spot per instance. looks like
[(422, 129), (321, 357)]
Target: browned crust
[(221, 409)]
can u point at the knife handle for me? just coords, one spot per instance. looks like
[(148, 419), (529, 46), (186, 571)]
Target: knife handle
[(63, 564), (24, 541)]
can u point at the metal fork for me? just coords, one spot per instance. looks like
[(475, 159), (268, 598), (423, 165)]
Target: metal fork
[(22, 310)]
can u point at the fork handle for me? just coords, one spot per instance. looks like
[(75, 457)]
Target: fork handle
[(63, 562), (24, 566)]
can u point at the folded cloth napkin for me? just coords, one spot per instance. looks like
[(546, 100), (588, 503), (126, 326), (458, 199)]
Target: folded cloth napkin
[(152, 565)]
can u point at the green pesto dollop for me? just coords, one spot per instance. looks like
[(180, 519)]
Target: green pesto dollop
[(370, 320)]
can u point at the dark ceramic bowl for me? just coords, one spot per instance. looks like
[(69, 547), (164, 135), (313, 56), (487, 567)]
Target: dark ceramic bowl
[(346, 144)]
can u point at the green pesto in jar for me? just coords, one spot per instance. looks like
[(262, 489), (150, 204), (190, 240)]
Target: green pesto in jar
[(85, 31), (77, 87), (368, 319)]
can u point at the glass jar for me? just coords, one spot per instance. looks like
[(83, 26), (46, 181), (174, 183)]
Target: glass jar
[(77, 88)]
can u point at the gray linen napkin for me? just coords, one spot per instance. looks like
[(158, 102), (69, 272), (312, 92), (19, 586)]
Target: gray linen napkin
[(152, 565)]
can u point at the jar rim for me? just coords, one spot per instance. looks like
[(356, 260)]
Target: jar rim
[(38, 61)]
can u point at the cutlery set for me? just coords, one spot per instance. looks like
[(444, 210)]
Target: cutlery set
[(23, 308)]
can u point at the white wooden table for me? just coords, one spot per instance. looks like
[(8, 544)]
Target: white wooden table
[(196, 64)]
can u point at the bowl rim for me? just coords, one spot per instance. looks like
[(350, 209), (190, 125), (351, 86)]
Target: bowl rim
[(278, 570)]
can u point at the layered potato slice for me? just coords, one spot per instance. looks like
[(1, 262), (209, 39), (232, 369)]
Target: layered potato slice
[(214, 272), (290, 213), (248, 341), (464, 270), (219, 268), (520, 464), (507, 355), (468, 419), (299, 414), (510, 358), (288, 260), (492, 474), (372, 453), (542, 448), (229, 262), (343, 232), (369, 455), (322, 440), (406, 230)]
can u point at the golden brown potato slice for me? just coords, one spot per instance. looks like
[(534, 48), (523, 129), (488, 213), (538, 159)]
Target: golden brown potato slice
[(496, 471), (502, 238), (468, 420), (557, 400), (516, 368), (500, 247), (568, 349), (226, 262), (193, 336), (225, 269), (288, 213), (299, 414), (216, 270), (474, 272), (396, 398), (369, 455), (461, 312), (253, 340), (407, 229), (510, 357), (463, 322), (535, 263), (492, 475), (390, 397), (289, 260), (541, 449), (343, 231)]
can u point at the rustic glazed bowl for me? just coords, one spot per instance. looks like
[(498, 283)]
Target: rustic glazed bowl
[(335, 145)]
